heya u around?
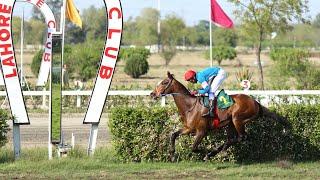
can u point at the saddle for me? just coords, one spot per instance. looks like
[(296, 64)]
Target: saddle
[(222, 102)]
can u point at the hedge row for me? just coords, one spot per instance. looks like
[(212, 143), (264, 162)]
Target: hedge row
[(142, 134)]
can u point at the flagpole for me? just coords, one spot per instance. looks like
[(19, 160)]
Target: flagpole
[(210, 29), (63, 25)]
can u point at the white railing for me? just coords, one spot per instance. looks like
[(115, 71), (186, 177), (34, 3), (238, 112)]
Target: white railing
[(265, 96)]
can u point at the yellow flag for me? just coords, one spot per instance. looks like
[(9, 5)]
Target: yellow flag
[(73, 13)]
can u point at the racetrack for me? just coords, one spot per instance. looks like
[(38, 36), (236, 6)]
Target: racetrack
[(36, 134)]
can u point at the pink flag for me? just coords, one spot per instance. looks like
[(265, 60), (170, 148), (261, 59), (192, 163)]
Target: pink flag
[(219, 17)]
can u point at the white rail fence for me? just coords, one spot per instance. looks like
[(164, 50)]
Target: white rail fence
[(264, 97)]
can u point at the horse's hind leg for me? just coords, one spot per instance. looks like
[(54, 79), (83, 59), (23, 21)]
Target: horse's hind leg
[(231, 133), (240, 128)]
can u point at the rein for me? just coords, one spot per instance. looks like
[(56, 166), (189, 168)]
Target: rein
[(194, 104), (168, 85)]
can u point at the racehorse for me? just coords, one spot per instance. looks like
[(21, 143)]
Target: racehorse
[(244, 110)]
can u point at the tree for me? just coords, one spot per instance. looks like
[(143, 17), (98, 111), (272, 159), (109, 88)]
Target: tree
[(85, 59), (94, 23), (316, 21), (225, 37), (173, 28), (146, 25), (202, 29), (261, 17), (55, 6), (292, 68), (130, 32)]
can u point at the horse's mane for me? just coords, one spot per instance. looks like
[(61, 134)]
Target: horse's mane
[(182, 87)]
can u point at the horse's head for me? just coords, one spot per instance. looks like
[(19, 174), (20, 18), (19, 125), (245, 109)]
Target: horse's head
[(164, 87)]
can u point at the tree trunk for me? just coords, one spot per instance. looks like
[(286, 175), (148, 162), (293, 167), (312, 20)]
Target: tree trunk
[(258, 54)]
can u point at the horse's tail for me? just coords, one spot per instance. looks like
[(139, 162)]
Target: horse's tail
[(265, 112)]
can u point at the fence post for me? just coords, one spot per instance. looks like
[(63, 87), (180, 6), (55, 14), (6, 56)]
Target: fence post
[(163, 101), (44, 99), (78, 99)]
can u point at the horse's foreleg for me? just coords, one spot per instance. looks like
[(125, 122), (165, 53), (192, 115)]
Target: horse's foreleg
[(199, 136), (173, 140)]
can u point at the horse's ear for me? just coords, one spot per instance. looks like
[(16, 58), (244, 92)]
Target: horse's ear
[(170, 75)]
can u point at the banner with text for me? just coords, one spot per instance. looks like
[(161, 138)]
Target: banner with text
[(9, 65), (108, 62), (47, 54)]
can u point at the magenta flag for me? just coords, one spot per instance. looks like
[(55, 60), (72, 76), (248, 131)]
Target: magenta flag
[(219, 17)]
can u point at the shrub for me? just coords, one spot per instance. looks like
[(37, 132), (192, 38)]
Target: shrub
[(126, 53), (292, 69), (36, 62), (37, 58), (4, 128), (136, 65), (220, 53), (142, 134)]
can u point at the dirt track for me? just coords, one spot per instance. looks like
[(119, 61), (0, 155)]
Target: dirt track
[(36, 134)]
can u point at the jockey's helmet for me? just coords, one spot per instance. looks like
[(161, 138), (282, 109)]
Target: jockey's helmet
[(189, 74)]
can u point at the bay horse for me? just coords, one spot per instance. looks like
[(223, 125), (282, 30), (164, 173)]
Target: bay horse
[(244, 110)]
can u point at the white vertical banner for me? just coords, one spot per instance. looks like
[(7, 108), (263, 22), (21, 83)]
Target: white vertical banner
[(9, 65), (47, 55), (108, 62)]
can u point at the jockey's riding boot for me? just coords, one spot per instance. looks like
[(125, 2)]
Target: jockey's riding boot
[(210, 109)]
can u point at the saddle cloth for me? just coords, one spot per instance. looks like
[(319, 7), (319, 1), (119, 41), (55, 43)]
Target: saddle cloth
[(222, 102)]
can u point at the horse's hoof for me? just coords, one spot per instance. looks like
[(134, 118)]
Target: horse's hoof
[(172, 158), (206, 158)]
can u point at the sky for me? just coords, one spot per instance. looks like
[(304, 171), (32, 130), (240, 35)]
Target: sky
[(190, 10)]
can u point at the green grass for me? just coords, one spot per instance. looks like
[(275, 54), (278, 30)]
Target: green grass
[(34, 165)]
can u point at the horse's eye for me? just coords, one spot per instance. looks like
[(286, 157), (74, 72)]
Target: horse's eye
[(164, 82)]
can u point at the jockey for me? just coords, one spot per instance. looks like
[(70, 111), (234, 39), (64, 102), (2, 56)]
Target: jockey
[(210, 79)]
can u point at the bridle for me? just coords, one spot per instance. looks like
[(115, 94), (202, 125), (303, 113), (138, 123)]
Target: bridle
[(168, 85)]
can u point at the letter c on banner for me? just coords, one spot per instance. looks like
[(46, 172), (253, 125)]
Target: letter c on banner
[(108, 62)]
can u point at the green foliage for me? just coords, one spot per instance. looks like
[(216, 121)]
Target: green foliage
[(37, 58), (259, 18), (172, 32), (85, 59), (136, 65), (4, 127), (316, 21), (220, 53), (126, 53), (225, 37), (36, 62), (293, 69), (94, 24), (142, 134)]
